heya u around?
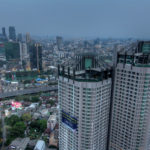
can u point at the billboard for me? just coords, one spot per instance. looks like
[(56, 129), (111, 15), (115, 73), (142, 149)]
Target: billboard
[(69, 120)]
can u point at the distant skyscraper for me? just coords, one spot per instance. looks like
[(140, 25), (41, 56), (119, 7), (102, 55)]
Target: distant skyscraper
[(28, 38), (59, 41), (23, 52), (3, 37), (130, 125), (19, 38), (35, 51), (12, 33), (84, 93), (12, 51), (3, 31)]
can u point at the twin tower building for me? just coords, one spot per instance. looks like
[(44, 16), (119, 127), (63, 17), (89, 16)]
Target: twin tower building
[(103, 107)]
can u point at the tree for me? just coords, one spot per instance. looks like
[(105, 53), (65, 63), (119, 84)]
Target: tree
[(26, 117), (51, 102), (35, 99), (25, 98), (18, 129), (43, 77), (40, 125), (12, 120), (27, 82)]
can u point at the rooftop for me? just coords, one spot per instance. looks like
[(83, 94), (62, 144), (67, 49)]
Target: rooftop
[(85, 67), (19, 144), (138, 54)]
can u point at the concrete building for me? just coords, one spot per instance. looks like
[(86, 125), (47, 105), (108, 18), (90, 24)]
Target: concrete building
[(84, 102), (3, 31), (51, 122), (12, 33), (35, 52), (130, 125), (19, 144), (59, 41), (19, 37), (24, 56), (28, 38), (40, 145)]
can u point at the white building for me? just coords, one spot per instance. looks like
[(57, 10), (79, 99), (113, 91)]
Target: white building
[(84, 103), (130, 126), (51, 122)]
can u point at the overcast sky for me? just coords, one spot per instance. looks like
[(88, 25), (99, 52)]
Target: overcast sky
[(78, 18)]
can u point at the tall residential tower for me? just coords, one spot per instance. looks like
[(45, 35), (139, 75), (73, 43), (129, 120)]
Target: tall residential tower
[(84, 102), (130, 125)]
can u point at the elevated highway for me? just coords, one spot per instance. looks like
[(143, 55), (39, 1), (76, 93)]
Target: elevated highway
[(28, 91)]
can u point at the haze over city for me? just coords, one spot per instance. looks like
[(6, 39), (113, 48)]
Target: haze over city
[(74, 75), (78, 18)]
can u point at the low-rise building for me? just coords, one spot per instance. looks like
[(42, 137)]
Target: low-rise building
[(40, 145), (19, 144), (51, 122)]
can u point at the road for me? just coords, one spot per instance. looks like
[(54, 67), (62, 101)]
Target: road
[(29, 91)]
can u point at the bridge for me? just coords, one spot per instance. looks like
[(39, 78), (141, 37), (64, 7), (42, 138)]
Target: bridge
[(28, 91)]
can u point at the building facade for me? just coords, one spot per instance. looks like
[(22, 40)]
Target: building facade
[(3, 31), (130, 125), (35, 52), (84, 103), (12, 33)]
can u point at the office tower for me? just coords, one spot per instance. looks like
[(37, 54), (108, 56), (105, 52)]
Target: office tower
[(12, 33), (12, 51), (3, 31), (19, 38), (28, 38), (130, 125), (84, 92), (3, 37), (35, 51), (59, 41), (23, 53)]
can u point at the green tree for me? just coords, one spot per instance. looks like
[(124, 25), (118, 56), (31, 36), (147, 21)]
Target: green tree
[(25, 98), (12, 120), (40, 125), (35, 99), (18, 129), (26, 117), (51, 102)]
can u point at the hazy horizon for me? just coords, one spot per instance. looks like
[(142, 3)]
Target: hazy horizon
[(79, 18)]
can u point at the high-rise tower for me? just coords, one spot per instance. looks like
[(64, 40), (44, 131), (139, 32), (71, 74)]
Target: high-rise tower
[(130, 125), (84, 103), (59, 41), (28, 38), (12, 33), (35, 52), (19, 37), (3, 31)]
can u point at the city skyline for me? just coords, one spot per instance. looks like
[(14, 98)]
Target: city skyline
[(97, 18)]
